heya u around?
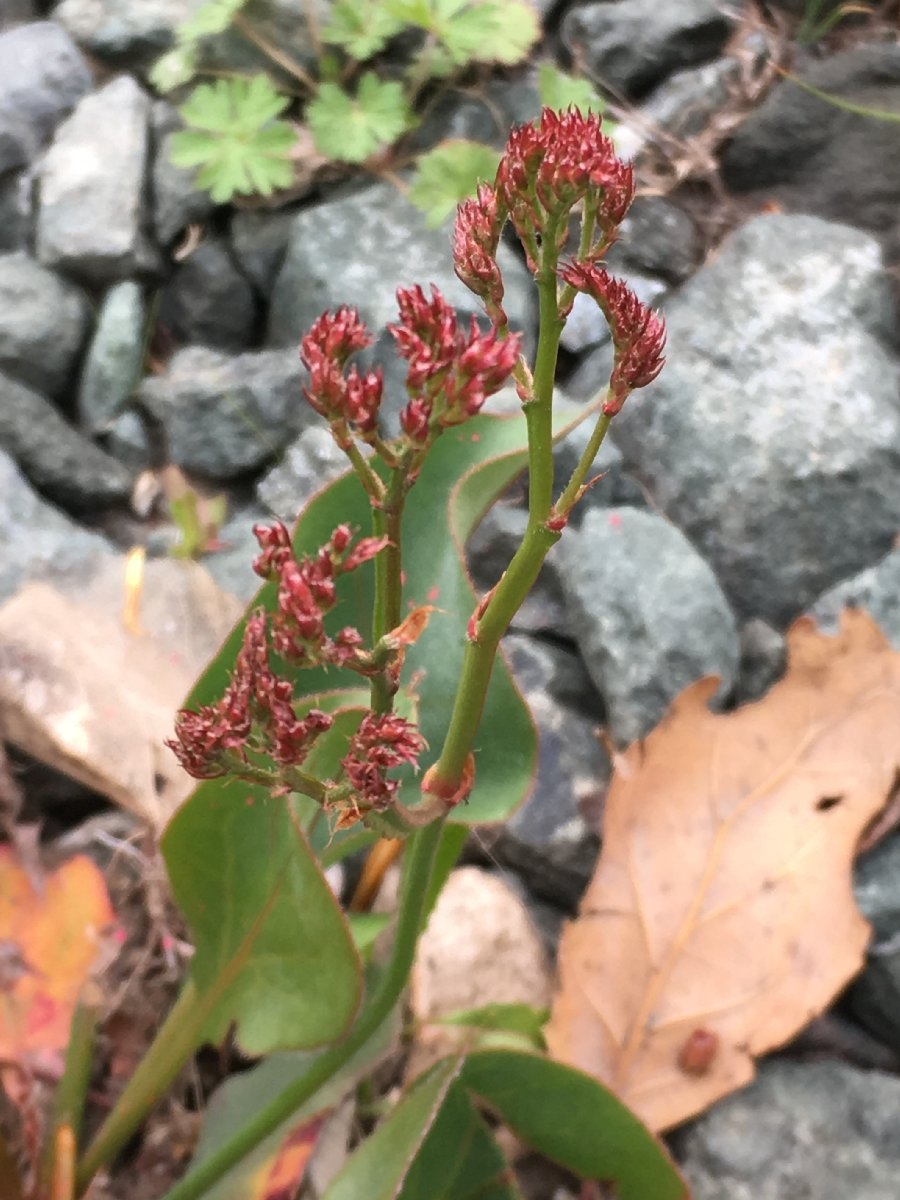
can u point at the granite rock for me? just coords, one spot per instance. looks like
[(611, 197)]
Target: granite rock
[(207, 301), (113, 363), (43, 325), (772, 436), (647, 613), (876, 589)]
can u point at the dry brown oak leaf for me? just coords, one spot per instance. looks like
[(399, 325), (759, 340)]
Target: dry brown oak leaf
[(721, 918)]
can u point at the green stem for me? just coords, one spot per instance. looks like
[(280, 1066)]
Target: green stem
[(519, 578), (176, 1041), (386, 609), (572, 492), (419, 856), (68, 1103)]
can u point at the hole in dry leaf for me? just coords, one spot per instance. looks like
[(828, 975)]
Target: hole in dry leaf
[(828, 802)]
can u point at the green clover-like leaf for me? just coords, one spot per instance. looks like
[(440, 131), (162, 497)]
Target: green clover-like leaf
[(361, 27), (557, 89), (210, 18), (448, 174), (351, 129), (233, 137)]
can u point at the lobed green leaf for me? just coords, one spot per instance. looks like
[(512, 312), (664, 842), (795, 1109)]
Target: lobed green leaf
[(351, 129), (361, 27), (560, 90), (449, 174)]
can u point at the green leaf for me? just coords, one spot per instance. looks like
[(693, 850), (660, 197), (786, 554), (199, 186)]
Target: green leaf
[(449, 174), (361, 27), (209, 19), (273, 951), (467, 469), (459, 1159), (376, 1170), (248, 1092), (492, 31), (574, 1120), (233, 136), (519, 1019), (366, 928), (174, 68), (349, 129), (560, 90)]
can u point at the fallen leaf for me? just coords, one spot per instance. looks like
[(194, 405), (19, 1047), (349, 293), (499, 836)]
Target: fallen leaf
[(84, 694), (721, 919), (54, 936)]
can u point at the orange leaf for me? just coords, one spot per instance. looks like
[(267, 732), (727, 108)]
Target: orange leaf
[(53, 938), (721, 917)]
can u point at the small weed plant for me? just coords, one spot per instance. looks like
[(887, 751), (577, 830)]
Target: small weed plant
[(362, 697), (242, 131)]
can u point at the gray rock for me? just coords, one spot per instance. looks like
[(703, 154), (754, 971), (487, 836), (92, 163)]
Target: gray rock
[(15, 211), (686, 103), (658, 238), (15, 12), (92, 215), (310, 462), (816, 157), (42, 78), (121, 31), (772, 437), (58, 460), (177, 201), (763, 659), (646, 612), (632, 45), (877, 590), (489, 551), (875, 995), (208, 302), (128, 439), (43, 325), (801, 1130), (41, 541), (486, 118), (552, 840), (113, 364), (358, 249), (281, 23), (591, 376), (224, 416), (259, 240)]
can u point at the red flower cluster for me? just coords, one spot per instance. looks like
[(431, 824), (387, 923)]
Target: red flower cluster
[(256, 711), (307, 592), (548, 167), (381, 742), (476, 236), (451, 372), (638, 333), (343, 399)]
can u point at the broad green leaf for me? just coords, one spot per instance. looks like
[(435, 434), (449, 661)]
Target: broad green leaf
[(351, 129), (377, 1169), (468, 468), (492, 31), (560, 90), (174, 68), (519, 1019), (449, 174), (459, 1159), (361, 27), (233, 136), (273, 951), (250, 1091), (366, 928), (209, 19), (574, 1120)]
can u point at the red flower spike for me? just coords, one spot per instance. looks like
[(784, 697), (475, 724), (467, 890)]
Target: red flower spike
[(451, 373), (383, 741), (350, 399), (476, 236), (638, 333), (549, 166), (275, 544)]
